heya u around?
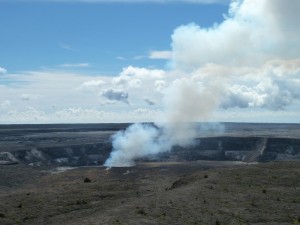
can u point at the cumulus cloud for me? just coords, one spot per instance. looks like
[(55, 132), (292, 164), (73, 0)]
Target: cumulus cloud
[(144, 73), (253, 32), (160, 85), (127, 81), (92, 85), (2, 70), (116, 95), (255, 50), (134, 77), (266, 94), (273, 86), (73, 90)]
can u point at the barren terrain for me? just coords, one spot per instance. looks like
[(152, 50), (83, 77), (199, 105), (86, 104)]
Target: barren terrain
[(153, 193), (179, 187)]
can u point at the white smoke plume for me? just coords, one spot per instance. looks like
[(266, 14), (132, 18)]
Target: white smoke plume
[(137, 141), (185, 102), (250, 60)]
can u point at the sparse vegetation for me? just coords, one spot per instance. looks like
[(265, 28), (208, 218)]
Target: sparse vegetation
[(113, 199)]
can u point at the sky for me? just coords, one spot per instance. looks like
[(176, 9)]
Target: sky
[(95, 61)]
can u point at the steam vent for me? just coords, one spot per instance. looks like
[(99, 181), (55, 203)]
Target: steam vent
[(91, 144)]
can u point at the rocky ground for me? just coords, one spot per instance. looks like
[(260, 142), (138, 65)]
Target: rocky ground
[(199, 192)]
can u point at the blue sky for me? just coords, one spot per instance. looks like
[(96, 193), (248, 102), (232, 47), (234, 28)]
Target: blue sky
[(70, 61), (36, 35)]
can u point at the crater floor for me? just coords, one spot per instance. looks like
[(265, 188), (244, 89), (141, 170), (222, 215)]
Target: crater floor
[(200, 192)]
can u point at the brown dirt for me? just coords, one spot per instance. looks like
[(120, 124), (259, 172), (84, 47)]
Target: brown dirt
[(156, 193)]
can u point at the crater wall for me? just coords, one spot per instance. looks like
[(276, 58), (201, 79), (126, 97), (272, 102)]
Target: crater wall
[(90, 144)]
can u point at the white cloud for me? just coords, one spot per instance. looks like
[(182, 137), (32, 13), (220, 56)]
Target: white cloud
[(262, 116), (2, 70), (274, 86), (75, 65), (142, 72), (91, 115), (136, 77), (254, 31), (252, 56), (115, 95), (68, 90), (28, 97), (55, 88), (160, 55), (6, 104), (77, 115), (29, 115), (127, 81), (92, 85), (160, 85)]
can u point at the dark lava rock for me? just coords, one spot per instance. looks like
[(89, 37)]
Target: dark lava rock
[(87, 180)]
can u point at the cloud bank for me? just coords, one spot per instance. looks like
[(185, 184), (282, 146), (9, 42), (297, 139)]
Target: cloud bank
[(252, 33), (256, 48)]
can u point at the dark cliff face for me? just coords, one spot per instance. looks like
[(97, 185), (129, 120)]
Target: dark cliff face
[(85, 146), (218, 148), (281, 149), (79, 155), (246, 149)]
